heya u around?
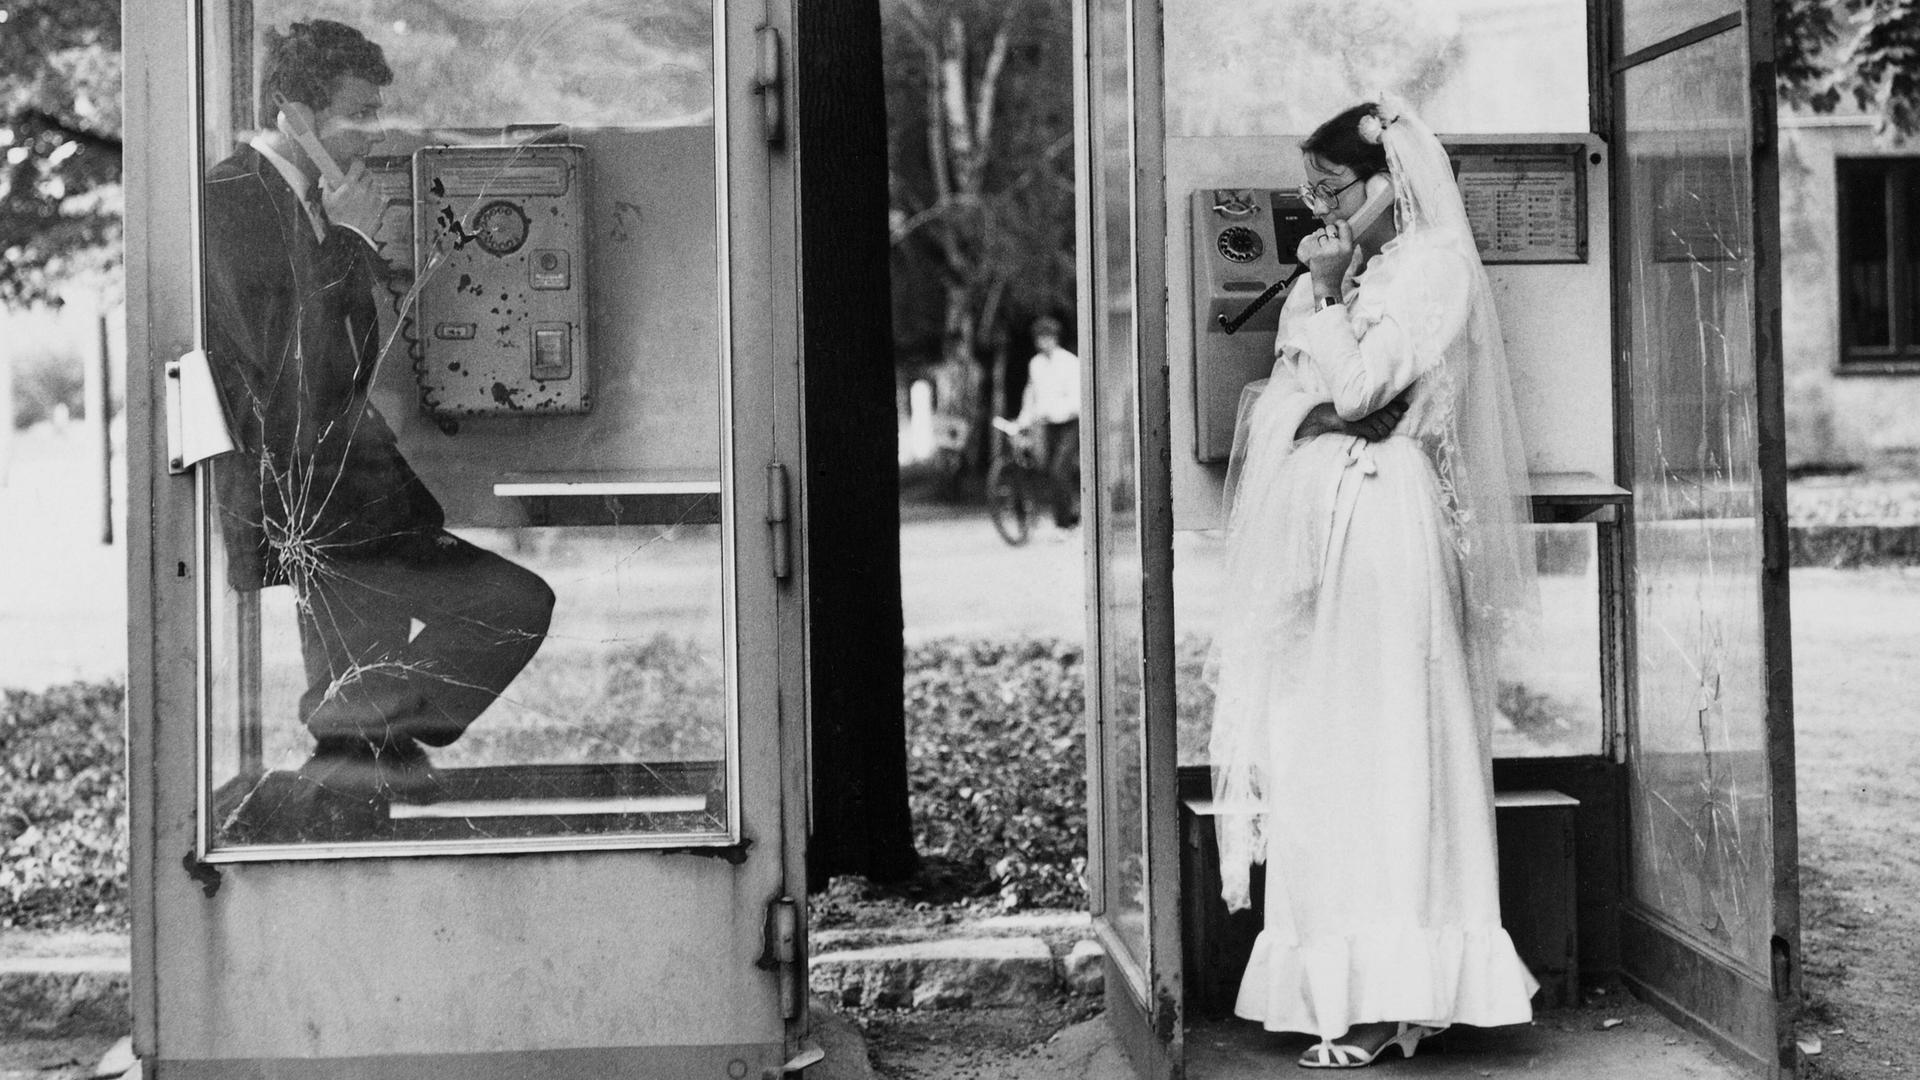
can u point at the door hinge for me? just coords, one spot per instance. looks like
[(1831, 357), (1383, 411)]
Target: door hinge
[(780, 519), (780, 954), (770, 82)]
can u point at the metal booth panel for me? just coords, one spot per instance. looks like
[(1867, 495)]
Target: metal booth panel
[(594, 179), (1711, 928), (1131, 766)]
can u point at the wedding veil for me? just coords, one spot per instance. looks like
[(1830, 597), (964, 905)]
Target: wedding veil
[(1483, 477)]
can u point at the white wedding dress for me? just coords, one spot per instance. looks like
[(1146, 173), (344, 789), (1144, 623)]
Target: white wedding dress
[(1344, 651)]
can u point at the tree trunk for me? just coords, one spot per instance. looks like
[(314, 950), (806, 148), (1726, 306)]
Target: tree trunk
[(861, 821)]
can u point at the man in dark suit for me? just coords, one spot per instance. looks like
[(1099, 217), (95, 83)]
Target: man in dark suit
[(319, 497)]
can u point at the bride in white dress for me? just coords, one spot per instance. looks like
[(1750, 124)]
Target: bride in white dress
[(1380, 567)]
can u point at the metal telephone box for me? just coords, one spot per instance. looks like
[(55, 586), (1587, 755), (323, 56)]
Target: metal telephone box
[(1616, 163), (456, 669)]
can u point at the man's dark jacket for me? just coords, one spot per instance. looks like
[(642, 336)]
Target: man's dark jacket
[(292, 335)]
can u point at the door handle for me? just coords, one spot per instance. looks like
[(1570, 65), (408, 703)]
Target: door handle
[(196, 425)]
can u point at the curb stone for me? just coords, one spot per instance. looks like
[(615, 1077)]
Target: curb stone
[(59, 996), (955, 973)]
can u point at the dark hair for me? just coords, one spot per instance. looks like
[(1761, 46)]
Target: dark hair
[(1338, 142), (303, 62), (1046, 326)]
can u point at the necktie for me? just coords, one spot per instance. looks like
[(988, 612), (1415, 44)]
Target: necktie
[(316, 211)]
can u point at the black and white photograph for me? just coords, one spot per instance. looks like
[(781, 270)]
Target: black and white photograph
[(959, 539)]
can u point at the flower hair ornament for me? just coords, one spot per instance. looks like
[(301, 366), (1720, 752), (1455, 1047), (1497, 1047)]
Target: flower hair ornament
[(1373, 126)]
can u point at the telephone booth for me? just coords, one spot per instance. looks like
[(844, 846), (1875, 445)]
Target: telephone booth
[(514, 786), (1617, 161)]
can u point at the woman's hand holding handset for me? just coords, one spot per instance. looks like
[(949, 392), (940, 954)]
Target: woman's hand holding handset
[(1330, 256), (1331, 253), (1333, 258)]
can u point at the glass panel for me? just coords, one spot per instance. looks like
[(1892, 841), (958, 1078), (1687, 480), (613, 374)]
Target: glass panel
[(1699, 799), (1280, 67), (1551, 707), (1116, 482), (1649, 22), (1865, 317), (468, 567)]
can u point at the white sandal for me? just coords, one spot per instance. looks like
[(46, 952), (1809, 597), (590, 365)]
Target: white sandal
[(1327, 1054)]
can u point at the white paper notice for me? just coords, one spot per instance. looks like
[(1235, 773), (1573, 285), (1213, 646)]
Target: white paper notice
[(1522, 207)]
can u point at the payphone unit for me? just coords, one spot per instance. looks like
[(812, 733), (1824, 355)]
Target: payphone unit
[(501, 319), (1243, 257)]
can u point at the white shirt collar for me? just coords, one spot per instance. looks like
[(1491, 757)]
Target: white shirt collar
[(300, 182)]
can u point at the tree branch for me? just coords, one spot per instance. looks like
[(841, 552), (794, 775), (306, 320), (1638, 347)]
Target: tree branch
[(989, 87), (46, 121)]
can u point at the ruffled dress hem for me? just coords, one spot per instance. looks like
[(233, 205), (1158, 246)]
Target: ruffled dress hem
[(1432, 976)]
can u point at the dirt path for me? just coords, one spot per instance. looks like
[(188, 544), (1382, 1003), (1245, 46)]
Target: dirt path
[(1856, 654)]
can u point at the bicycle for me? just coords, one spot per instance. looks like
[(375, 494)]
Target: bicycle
[(1016, 482)]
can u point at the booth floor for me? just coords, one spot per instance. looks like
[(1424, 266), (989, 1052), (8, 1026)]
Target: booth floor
[(1577, 1043), (1563, 1043)]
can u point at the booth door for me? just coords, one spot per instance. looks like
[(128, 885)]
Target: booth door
[(463, 617), (1710, 930), (1131, 778)]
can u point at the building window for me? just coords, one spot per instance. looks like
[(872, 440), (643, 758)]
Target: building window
[(1879, 212)]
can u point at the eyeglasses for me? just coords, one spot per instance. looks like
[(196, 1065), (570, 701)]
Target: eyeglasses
[(1320, 198)]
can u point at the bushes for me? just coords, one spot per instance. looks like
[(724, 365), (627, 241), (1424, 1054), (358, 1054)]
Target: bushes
[(996, 772), (63, 807), (996, 766)]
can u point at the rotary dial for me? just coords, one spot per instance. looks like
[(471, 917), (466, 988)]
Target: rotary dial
[(502, 227), (1240, 244)]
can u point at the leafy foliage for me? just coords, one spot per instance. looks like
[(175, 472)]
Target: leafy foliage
[(1867, 50), (979, 99), (63, 816), (997, 767), (60, 193)]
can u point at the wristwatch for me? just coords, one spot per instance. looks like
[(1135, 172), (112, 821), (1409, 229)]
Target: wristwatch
[(1322, 303)]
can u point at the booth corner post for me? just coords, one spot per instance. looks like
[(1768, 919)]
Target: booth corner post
[(1762, 38), (860, 818)]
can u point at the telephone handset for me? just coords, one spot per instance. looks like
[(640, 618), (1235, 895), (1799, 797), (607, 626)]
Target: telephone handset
[(296, 119), (1379, 201)]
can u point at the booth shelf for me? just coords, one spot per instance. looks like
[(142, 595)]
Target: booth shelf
[(657, 497), (1566, 498)]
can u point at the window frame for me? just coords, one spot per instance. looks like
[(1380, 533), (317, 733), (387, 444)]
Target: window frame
[(1899, 177)]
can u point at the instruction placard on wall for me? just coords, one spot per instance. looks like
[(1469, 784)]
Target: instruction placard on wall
[(1526, 203)]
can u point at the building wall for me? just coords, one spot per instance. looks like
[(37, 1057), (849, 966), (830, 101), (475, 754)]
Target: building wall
[(1832, 418)]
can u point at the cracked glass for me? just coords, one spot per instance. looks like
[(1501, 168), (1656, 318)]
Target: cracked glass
[(1700, 804), (468, 567)]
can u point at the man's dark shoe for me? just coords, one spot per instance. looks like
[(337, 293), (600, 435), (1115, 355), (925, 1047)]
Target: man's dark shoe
[(356, 769)]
